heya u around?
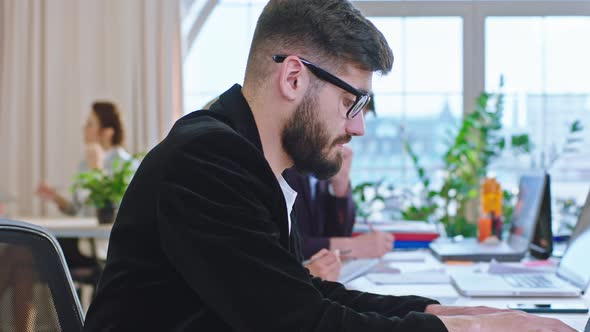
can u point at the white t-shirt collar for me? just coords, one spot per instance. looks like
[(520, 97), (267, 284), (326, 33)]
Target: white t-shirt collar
[(290, 196)]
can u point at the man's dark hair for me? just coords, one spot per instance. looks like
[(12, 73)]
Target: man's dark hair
[(329, 32)]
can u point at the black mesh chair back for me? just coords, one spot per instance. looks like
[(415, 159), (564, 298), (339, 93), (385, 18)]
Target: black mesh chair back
[(36, 290)]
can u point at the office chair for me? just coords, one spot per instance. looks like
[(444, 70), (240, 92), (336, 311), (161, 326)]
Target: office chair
[(84, 270), (36, 290)]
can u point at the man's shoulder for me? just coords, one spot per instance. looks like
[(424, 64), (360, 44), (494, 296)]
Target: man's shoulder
[(206, 129), (201, 122), (207, 134)]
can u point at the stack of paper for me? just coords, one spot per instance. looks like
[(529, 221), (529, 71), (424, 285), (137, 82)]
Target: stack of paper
[(408, 234)]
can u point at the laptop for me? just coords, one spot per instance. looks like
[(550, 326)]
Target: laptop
[(531, 215), (571, 278)]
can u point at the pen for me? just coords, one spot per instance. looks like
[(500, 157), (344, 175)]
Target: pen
[(337, 251)]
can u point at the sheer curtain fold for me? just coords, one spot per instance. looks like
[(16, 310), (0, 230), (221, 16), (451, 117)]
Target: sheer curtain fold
[(22, 91), (55, 60)]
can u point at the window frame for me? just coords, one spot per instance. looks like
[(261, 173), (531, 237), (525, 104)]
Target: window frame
[(474, 14)]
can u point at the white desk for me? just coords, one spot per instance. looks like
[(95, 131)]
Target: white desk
[(446, 294), (97, 235), (71, 227)]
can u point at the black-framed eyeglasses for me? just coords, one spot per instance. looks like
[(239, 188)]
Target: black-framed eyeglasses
[(362, 98)]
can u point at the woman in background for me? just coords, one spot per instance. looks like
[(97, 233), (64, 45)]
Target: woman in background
[(103, 137)]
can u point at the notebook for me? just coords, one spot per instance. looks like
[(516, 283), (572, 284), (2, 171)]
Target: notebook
[(571, 278), (531, 228), (354, 268)]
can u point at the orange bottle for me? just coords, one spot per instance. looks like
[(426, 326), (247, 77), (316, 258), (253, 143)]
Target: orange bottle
[(490, 222), (484, 228)]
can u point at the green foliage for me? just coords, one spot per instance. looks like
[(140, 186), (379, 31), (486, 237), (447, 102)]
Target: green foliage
[(419, 213), (458, 225), (366, 194), (570, 141), (476, 144), (521, 144), (508, 202), (106, 188), (424, 211)]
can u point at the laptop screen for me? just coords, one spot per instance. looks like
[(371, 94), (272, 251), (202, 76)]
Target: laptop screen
[(526, 210), (573, 265)]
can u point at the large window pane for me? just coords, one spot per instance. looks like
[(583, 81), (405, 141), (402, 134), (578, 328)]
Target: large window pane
[(544, 62), (423, 91), (217, 60), (433, 55), (419, 100)]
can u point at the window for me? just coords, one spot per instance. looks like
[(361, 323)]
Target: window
[(420, 100), (546, 69), (217, 59), (447, 52)]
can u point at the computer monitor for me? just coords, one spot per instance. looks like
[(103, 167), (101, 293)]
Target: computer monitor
[(571, 266), (530, 227), (541, 245), (583, 220)]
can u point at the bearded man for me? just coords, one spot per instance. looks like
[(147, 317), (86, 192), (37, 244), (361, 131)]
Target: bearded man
[(203, 238)]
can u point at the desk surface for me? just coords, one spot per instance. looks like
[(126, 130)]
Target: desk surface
[(71, 227), (446, 293)]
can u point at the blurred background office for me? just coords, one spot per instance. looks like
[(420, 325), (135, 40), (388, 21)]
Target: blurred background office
[(447, 53), (159, 60), (56, 58)]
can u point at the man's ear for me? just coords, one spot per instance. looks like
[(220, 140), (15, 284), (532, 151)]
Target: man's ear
[(293, 79)]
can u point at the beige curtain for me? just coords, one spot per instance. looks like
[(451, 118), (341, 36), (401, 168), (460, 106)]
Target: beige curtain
[(56, 58)]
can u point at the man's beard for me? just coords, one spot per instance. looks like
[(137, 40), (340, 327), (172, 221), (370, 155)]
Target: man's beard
[(307, 142)]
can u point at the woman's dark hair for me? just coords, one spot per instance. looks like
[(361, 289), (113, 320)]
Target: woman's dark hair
[(109, 117)]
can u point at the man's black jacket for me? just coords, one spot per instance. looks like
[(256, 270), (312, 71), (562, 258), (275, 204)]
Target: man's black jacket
[(201, 244)]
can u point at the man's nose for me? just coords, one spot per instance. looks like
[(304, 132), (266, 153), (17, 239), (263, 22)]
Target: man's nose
[(356, 125)]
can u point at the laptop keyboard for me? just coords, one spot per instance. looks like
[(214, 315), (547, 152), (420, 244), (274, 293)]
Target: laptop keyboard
[(528, 281)]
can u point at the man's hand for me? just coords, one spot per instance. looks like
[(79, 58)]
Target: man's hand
[(483, 319), (341, 181), (94, 156), (325, 264), (505, 321), (371, 245)]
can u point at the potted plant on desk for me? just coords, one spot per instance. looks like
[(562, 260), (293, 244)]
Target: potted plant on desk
[(106, 189), (371, 197), (471, 149)]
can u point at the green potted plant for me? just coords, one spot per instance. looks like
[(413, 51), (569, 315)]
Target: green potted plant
[(475, 145), (368, 195), (106, 189)]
